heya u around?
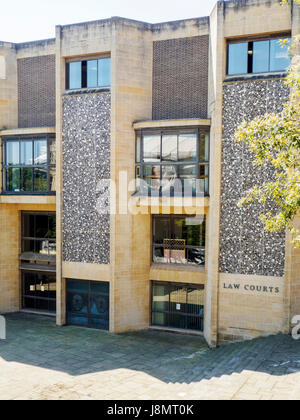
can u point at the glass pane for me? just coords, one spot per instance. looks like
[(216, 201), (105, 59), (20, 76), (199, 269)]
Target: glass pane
[(51, 227), (138, 149), (40, 179), (78, 285), (261, 56), (204, 148), (28, 225), (152, 177), (52, 173), (151, 148), (178, 300), (104, 72), (169, 148), (279, 56), (187, 147), (26, 179), (160, 298), (26, 153), (40, 152), (75, 75), (159, 256), (77, 302), (99, 323), (52, 247), (160, 319), (188, 171), (99, 287), (52, 149), (13, 180), (161, 229), (189, 229), (29, 284), (196, 256), (92, 73), (99, 305), (169, 175), (41, 226), (238, 58), (12, 153)]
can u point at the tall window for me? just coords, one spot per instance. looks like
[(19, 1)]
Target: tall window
[(172, 162), (29, 165), (257, 56), (88, 73), (39, 234), (179, 240)]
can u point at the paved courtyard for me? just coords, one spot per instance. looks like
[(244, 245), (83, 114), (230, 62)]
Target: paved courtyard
[(42, 361)]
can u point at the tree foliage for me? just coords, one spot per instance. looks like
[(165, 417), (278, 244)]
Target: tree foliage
[(274, 140)]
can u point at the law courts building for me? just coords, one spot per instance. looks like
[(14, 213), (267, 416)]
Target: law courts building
[(153, 108)]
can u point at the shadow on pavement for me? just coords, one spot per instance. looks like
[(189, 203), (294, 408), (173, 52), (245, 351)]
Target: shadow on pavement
[(171, 358)]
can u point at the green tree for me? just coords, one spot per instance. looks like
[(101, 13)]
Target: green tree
[(274, 139)]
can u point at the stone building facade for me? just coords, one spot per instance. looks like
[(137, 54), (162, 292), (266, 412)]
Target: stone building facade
[(120, 177)]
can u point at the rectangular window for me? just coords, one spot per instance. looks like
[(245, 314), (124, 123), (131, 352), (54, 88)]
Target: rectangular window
[(29, 165), (179, 239), (257, 56), (88, 74), (39, 234), (172, 163), (178, 306)]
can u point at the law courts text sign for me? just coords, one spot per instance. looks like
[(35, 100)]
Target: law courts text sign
[(252, 285)]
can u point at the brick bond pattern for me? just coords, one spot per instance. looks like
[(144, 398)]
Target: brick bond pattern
[(244, 246), (86, 161), (36, 91), (180, 78)]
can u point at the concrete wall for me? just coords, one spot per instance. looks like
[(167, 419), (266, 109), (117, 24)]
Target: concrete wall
[(8, 86)]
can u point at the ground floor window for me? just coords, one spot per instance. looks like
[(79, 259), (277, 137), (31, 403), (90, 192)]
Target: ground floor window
[(88, 304), (178, 306), (39, 291)]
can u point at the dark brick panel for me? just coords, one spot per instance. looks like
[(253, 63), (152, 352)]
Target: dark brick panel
[(180, 78), (36, 91)]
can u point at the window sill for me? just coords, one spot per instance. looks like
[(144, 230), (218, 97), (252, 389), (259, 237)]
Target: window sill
[(86, 91), (28, 199), (177, 267), (255, 76)]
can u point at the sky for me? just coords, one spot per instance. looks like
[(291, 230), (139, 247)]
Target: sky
[(29, 20)]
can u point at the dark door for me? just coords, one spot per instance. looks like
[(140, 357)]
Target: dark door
[(88, 304)]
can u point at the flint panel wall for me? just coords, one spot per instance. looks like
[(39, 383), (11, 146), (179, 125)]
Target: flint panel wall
[(86, 163), (245, 247)]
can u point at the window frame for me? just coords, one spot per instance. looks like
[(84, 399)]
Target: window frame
[(139, 159), (250, 42), (172, 218), (84, 72), (169, 311), (48, 165), (35, 238)]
